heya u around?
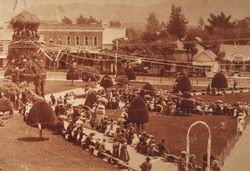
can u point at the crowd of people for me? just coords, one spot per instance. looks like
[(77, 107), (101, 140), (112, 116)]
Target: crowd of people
[(75, 121)]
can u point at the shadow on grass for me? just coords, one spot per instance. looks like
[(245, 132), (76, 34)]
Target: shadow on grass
[(33, 139)]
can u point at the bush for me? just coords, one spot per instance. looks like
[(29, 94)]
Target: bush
[(183, 83), (72, 74), (122, 79), (41, 112), (147, 89), (138, 111), (219, 81), (106, 82), (130, 73)]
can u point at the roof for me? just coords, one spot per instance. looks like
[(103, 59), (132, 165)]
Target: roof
[(236, 52), (204, 58), (44, 26)]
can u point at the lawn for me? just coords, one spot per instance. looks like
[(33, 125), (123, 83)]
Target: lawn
[(228, 98), (57, 86), (174, 128)]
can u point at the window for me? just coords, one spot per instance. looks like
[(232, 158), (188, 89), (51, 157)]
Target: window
[(86, 40), (59, 41), (77, 40), (95, 41), (50, 40), (68, 40)]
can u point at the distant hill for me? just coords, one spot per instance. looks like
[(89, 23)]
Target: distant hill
[(135, 12)]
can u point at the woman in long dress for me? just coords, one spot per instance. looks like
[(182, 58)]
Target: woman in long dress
[(124, 155)]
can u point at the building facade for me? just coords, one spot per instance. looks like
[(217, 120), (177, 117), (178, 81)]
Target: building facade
[(83, 37)]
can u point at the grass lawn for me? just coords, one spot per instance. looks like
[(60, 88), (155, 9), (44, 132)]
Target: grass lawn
[(174, 129), (228, 98), (57, 86)]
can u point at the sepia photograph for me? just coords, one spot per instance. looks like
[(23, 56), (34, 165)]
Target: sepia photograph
[(124, 85)]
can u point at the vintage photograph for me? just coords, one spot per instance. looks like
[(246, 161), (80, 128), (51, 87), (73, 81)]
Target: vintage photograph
[(124, 85)]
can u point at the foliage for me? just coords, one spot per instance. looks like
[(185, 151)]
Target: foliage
[(138, 111), (72, 74), (115, 24), (41, 112), (152, 29), (106, 82), (183, 83), (219, 81), (90, 20), (122, 79), (66, 20), (130, 73), (178, 24), (147, 89), (89, 73), (5, 104), (134, 36)]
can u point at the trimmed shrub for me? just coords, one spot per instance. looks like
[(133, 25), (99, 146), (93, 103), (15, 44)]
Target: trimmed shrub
[(41, 112), (147, 89), (138, 111), (106, 82), (130, 73), (219, 81), (183, 83), (122, 79)]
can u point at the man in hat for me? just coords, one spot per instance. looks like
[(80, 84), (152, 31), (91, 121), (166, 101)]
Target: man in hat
[(146, 165)]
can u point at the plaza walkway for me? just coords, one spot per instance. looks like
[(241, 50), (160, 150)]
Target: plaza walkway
[(239, 160)]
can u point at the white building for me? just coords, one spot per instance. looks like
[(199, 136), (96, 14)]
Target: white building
[(112, 33)]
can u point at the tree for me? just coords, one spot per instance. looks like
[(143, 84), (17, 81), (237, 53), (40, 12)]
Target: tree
[(130, 73), (72, 74), (221, 26), (183, 84), (178, 24), (152, 23), (115, 24), (106, 82), (134, 36), (42, 115), (138, 111), (25, 63), (152, 28), (219, 81), (90, 20), (147, 89), (66, 20)]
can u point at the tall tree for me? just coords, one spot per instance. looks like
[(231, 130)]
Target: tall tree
[(178, 24), (153, 25), (66, 20)]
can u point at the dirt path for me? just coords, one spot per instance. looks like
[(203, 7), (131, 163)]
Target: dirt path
[(239, 157)]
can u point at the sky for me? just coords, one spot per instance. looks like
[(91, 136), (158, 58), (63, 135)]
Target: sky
[(238, 8)]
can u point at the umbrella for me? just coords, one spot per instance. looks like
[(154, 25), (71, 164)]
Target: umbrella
[(42, 113)]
